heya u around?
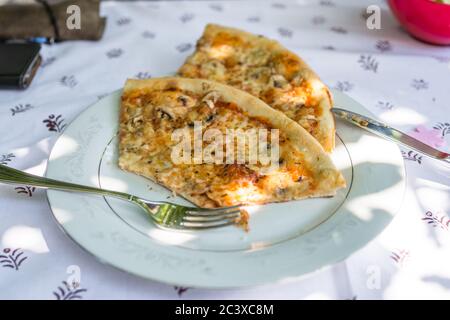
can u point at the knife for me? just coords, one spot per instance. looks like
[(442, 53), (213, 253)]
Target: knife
[(387, 132)]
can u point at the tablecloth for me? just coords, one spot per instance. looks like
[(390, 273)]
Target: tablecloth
[(403, 81)]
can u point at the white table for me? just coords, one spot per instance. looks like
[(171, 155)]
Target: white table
[(405, 82)]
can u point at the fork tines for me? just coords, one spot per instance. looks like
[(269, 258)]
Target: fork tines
[(211, 218)]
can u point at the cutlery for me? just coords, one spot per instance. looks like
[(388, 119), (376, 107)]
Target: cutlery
[(164, 214), (387, 132)]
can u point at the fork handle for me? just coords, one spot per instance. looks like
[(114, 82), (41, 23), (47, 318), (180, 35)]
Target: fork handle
[(13, 176)]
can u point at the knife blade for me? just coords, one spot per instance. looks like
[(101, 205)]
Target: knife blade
[(387, 132)]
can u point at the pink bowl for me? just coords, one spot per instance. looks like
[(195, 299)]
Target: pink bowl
[(424, 19)]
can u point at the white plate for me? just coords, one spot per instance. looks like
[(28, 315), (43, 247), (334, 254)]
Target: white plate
[(285, 240)]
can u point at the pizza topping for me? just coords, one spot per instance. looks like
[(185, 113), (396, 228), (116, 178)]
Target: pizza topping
[(264, 69), (186, 101), (165, 113), (150, 118), (213, 68), (224, 184), (278, 81), (243, 220), (257, 57), (239, 172), (211, 98)]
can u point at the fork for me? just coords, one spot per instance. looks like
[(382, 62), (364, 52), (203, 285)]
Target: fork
[(164, 214)]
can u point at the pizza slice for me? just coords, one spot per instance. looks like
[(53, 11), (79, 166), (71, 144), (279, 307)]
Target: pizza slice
[(176, 132), (267, 70)]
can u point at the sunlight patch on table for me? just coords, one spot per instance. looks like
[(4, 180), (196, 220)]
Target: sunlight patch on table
[(433, 194), (25, 237)]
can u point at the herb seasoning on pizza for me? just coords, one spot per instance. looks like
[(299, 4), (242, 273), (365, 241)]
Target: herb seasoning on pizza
[(162, 118), (265, 69)]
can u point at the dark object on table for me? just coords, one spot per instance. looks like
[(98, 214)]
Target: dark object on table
[(18, 64), (52, 19)]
